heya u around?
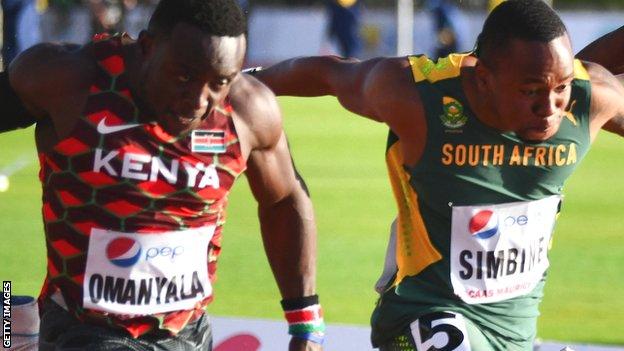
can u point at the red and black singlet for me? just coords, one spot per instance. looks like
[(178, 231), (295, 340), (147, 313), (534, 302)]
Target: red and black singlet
[(126, 181)]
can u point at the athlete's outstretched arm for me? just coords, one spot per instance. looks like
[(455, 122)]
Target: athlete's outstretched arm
[(607, 51), (284, 208), (348, 79)]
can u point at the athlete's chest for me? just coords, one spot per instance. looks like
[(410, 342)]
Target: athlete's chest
[(111, 156)]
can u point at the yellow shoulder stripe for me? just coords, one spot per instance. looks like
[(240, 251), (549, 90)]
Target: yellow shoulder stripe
[(423, 68), (579, 70)]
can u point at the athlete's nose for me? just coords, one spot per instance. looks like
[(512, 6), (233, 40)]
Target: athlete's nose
[(548, 104), (195, 99)]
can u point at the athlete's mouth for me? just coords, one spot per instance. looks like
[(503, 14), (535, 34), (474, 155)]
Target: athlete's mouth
[(182, 118), (545, 124)]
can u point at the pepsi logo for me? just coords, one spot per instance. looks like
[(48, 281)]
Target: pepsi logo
[(123, 252), (484, 224)]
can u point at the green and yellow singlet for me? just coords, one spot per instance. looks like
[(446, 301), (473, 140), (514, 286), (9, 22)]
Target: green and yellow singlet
[(476, 214)]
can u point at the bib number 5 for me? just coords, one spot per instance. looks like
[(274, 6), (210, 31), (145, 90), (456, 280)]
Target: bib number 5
[(440, 331)]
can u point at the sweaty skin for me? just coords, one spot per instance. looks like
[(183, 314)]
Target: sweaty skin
[(177, 82)]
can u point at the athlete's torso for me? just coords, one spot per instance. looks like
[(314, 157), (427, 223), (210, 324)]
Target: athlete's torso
[(132, 215), (476, 212)]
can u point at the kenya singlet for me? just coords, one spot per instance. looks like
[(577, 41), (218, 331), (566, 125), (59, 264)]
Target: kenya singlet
[(476, 214), (132, 215)]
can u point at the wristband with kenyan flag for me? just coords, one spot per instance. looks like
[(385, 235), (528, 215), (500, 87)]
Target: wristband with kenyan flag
[(305, 318)]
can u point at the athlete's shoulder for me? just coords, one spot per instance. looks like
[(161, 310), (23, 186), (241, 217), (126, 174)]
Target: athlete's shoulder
[(591, 71), (50, 71), (425, 69), (255, 107), (50, 60), (602, 81), (389, 68), (388, 77)]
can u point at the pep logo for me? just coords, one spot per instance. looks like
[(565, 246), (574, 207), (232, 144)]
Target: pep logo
[(484, 224), (123, 252)]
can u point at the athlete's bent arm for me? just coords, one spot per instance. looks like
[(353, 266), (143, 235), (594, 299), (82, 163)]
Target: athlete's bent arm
[(607, 51), (284, 208), (607, 101), (41, 79), (15, 86), (14, 113)]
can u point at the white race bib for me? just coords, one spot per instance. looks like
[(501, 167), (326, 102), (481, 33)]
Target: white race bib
[(500, 251), (140, 274)]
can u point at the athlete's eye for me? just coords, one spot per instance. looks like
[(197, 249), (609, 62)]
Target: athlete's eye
[(561, 88), (184, 78), (220, 83), (530, 92)]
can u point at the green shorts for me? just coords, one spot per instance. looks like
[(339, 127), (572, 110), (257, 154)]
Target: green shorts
[(450, 331)]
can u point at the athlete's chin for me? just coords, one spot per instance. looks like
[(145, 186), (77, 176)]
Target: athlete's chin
[(176, 125), (538, 134)]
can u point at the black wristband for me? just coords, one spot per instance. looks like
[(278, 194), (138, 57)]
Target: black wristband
[(298, 303)]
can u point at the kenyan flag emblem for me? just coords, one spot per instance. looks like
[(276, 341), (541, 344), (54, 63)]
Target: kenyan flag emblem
[(453, 116)]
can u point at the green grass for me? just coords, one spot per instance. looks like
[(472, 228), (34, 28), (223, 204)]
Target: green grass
[(342, 160)]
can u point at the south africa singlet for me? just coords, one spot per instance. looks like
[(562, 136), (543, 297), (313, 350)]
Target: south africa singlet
[(476, 214), (133, 215)]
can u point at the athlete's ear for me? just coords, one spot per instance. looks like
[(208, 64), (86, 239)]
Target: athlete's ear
[(482, 75), (146, 43)]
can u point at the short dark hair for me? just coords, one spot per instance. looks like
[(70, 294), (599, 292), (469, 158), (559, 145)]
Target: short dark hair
[(530, 20), (215, 17)]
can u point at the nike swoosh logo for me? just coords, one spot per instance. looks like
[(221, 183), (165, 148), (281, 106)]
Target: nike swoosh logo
[(102, 128)]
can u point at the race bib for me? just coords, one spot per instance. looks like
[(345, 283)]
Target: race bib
[(500, 251), (140, 274)]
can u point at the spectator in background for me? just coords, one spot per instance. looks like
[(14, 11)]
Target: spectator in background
[(444, 14), (108, 15), (20, 26), (344, 24)]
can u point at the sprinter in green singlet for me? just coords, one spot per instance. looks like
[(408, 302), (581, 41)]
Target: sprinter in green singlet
[(479, 148), (140, 142)]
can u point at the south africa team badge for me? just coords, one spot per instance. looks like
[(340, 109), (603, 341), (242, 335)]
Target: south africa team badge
[(208, 141), (453, 116)]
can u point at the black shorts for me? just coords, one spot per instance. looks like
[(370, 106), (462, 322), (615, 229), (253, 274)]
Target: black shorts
[(60, 331)]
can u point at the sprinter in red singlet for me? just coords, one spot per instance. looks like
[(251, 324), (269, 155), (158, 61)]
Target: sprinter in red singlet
[(140, 142)]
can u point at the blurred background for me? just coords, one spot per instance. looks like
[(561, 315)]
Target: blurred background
[(280, 29)]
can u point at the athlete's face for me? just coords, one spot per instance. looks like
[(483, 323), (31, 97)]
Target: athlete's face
[(529, 86), (185, 75)]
